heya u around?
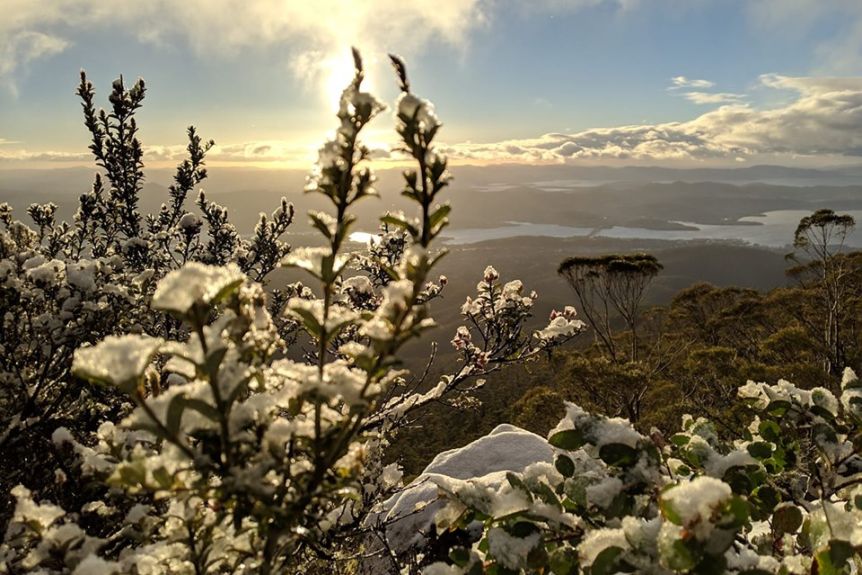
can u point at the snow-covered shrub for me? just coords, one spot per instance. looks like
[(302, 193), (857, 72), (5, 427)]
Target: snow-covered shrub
[(408, 516), (238, 456), (783, 498), (64, 284)]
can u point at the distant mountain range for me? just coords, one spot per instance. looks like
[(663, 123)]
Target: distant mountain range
[(648, 197)]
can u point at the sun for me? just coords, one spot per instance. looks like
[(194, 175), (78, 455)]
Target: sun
[(337, 74)]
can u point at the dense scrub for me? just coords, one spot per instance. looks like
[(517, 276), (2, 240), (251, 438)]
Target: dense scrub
[(693, 353)]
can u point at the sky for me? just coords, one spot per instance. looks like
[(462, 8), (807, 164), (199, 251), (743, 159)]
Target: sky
[(610, 82)]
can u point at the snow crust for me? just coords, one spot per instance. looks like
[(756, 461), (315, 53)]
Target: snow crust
[(195, 283), (118, 360), (409, 514)]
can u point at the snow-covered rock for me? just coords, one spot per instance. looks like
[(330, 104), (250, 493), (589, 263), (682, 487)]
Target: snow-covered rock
[(408, 516)]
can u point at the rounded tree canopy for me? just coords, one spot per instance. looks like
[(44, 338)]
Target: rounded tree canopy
[(822, 219), (636, 264)]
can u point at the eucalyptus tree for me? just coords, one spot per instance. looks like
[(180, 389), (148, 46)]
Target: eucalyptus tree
[(820, 238), (607, 283)]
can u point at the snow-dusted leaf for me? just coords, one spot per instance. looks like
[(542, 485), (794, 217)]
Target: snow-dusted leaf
[(116, 360), (195, 283)]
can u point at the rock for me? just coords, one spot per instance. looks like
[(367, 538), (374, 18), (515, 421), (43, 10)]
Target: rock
[(408, 516)]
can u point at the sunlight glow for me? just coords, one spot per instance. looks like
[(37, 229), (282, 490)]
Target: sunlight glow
[(337, 72)]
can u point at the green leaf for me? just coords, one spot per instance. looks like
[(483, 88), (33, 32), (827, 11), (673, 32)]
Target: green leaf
[(312, 326), (537, 559), (678, 554), (605, 561), (133, 473), (563, 561), (522, 529), (204, 408), (439, 215), (162, 477), (318, 223), (483, 545), (459, 556), (669, 512), (214, 359), (855, 402), (570, 439), (547, 495), (576, 490), (740, 479), (680, 439), (822, 412), (400, 223), (519, 484), (832, 560), (759, 450), (787, 518), (565, 465), (778, 407), (618, 454), (765, 499), (175, 414), (739, 512)]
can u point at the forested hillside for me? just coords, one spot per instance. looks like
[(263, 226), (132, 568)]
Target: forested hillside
[(692, 355)]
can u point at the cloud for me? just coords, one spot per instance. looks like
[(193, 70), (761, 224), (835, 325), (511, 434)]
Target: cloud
[(24, 155), (694, 91), (313, 31), (712, 97), (251, 151), (29, 30), (33, 29), (256, 151), (821, 119), (683, 82), (824, 119), (23, 47)]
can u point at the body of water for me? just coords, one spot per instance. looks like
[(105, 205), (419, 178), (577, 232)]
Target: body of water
[(772, 229)]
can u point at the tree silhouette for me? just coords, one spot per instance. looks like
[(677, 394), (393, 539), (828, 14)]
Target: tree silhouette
[(611, 282)]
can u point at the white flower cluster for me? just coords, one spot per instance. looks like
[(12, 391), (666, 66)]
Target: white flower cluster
[(498, 314), (411, 107), (562, 325)]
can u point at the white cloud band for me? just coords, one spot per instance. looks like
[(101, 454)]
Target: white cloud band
[(825, 118)]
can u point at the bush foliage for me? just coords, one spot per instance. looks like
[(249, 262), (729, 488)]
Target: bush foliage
[(197, 445)]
